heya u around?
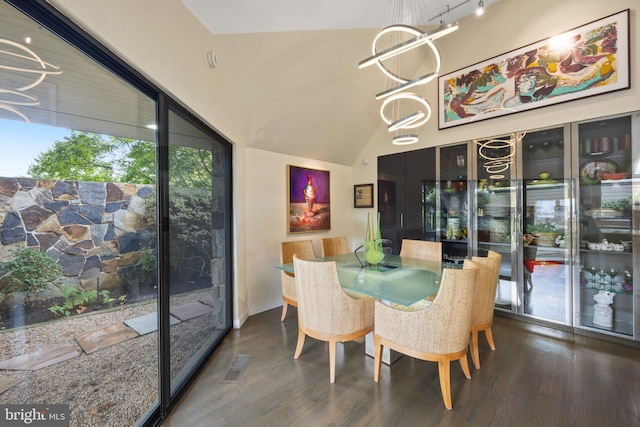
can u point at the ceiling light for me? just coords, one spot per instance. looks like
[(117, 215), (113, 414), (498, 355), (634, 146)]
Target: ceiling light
[(419, 39), (480, 9), (409, 121), (407, 65), (405, 139)]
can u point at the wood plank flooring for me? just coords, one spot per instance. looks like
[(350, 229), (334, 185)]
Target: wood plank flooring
[(536, 377)]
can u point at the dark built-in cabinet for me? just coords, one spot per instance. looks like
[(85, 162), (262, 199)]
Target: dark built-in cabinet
[(422, 195), (407, 196)]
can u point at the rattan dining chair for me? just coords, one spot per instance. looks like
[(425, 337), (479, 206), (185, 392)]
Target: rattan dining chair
[(325, 311), (334, 246), (304, 249), (484, 302), (421, 249), (438, 333)]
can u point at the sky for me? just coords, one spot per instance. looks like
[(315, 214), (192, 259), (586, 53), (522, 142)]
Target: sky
[(21, 143)]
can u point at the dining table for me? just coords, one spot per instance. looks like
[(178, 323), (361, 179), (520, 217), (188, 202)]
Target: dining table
[(397, 280)]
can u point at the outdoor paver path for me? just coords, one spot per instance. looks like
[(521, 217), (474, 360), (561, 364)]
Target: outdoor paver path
[(147, 323), (93, 341), (41, 358), (7, 382), (105, 337), (190, 310)]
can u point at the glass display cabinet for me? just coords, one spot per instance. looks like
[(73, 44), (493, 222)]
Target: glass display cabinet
[(545, 284), (495, 227), (606, 198), (560, 204), (453, 207)]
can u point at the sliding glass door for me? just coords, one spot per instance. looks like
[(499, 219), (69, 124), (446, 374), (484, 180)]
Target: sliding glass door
[(198, 241)]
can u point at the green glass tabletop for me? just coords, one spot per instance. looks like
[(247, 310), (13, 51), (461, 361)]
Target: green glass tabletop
[(401, 280)]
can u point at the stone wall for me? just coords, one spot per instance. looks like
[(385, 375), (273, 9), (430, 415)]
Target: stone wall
[(94, 230)]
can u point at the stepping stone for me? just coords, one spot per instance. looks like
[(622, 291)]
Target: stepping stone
[(147, 323), (105, 337), (190, 310), (7, 382), (41, 358)]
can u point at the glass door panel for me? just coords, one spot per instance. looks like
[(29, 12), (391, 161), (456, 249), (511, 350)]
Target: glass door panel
[(605, 225), (454, 202), (496, 201), (546, 276), (198, 244)]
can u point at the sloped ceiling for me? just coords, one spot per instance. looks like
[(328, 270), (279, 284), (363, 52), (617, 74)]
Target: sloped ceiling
[(292, 69)]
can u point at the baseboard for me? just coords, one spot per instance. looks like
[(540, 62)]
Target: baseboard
[(269, 305)]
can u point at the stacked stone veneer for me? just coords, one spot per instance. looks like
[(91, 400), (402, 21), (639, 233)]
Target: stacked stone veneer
[(94, 230)]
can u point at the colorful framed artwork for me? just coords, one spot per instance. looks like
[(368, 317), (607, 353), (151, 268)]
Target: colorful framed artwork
[(589, 60), (363, 196), (309, 200)]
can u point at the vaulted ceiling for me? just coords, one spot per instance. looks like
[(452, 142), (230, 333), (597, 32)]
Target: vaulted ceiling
[(291, 68)]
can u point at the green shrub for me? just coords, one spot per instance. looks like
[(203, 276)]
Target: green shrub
[(75, 299), (29, 271)]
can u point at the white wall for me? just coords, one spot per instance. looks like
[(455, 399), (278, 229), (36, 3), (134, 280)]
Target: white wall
[(267, 216)]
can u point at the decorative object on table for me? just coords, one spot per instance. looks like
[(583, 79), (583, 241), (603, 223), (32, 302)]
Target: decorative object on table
[(374, 252), (309, 200), (602, 311), (363, 196)]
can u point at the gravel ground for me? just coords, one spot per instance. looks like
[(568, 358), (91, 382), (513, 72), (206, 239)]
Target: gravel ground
[(114, 386)]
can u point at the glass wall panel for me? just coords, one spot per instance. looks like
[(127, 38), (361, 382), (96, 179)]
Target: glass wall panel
[(78, 290), (606, 230), (454, 203), (198, 244), (496, 211), (546, 283)]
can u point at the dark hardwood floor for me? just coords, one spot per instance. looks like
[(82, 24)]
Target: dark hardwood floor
[(536, 377)]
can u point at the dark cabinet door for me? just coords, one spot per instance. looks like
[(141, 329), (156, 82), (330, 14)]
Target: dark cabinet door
[(406, 196)]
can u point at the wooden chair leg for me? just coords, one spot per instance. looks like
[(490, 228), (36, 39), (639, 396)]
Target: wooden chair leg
[(444, 372), (377, 357), (284, 311), (475, 352), (464, 364), (300, 344), (332, 361), (489, 336)]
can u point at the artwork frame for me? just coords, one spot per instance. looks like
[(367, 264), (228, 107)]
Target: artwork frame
[(308, 200), (593, 60), (363, 196)]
